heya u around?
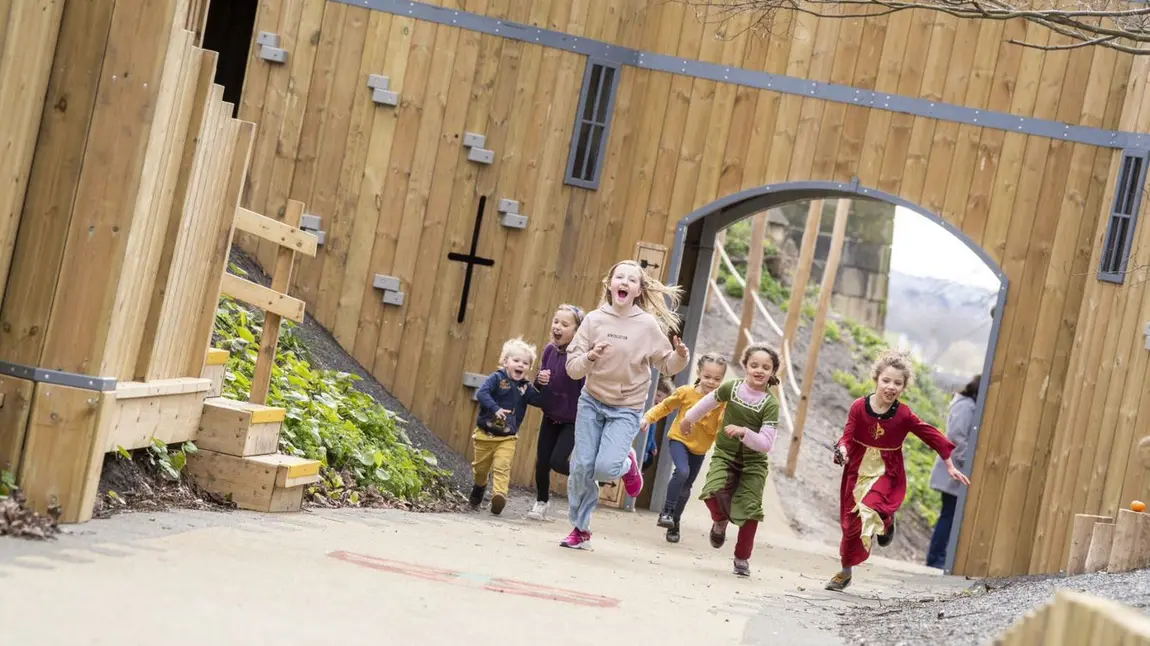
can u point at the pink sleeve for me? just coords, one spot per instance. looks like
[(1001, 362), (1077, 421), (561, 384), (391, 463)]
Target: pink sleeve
[(762, 441), (700, 410)]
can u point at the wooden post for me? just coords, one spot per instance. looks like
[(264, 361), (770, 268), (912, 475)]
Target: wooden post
[(1100, 542), (270, 338), (802, 275), (716, 262), (828, 285), (1124, 552), (1080, 535), (754, 279)]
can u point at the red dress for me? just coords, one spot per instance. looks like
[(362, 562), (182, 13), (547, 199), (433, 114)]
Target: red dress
[(874, 478)]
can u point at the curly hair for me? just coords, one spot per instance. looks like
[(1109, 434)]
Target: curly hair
[(896, 359), (710, 357), (517, 346), (773, 380)]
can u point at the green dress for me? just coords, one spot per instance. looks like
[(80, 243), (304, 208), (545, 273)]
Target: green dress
[(737, 474)]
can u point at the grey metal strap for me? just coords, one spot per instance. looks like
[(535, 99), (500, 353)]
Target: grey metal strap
[(71, 379), (762, 80)]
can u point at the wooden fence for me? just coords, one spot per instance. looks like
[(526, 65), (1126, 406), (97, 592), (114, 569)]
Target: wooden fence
[(124, 225), (1077, 619)]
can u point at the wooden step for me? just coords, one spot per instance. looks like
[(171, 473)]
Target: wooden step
[(239, 428), (215, 368), (269, 483)]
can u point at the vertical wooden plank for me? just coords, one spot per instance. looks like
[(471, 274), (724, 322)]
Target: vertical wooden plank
[(17, 394), (51, 190), (270, 337), (358, 276)]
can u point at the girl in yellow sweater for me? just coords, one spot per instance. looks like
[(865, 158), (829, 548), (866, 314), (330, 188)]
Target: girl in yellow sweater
[(688, 448)]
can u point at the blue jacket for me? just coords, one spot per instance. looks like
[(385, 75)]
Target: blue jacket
[(500, 391)]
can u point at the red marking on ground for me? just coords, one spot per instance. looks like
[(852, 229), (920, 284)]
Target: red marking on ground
[(505, 586)]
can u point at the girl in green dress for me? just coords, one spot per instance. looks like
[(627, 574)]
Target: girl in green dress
[(737, 475)]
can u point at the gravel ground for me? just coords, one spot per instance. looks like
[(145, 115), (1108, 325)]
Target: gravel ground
[(811, 498), (984, 611), (327, 353)]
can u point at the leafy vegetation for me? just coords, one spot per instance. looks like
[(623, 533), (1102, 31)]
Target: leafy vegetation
[(7, 483), (924, 397), (361, 444)]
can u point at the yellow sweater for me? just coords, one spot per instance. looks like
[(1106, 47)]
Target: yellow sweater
[(702, 434)]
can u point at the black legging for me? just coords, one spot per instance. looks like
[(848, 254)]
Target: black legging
[(556, 440)]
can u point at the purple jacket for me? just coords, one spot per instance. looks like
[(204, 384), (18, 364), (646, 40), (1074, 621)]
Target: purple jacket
[(561, 395)]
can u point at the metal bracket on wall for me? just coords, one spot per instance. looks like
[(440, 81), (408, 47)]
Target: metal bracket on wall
[(473, 381), (311, 224), (476, 152), (392, 295), (71, 379), (380, 92), (511, 217), (270, 47)]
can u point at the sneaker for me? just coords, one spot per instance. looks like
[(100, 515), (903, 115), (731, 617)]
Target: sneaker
[(742, 567), (476, 496), (665, 521), (633, 479), (539, 510), (718, 535), (839, 582), (886, 537), (673, 534), (498, 502), (577, 540)]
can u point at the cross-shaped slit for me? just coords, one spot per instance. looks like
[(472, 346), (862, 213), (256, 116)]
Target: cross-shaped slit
[(471, 259)]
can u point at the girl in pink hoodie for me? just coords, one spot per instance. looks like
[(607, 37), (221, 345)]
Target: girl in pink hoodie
[(614, 349)]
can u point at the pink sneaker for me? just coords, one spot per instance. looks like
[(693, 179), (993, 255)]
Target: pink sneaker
[(633, 479), (577, 540)]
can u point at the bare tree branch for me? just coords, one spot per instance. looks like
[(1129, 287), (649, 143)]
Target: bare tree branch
[(1122, 25)]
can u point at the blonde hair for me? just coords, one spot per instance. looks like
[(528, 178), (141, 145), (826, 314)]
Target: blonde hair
[(896, 359), (654, 297), (516, 346), (773, 380), (575, 311)]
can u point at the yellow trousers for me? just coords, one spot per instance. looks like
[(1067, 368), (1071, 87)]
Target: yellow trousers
[(493, 454)]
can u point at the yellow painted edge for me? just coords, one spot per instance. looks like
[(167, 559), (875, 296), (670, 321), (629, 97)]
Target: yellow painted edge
[(303, 469), (268, 415), (217, 357)]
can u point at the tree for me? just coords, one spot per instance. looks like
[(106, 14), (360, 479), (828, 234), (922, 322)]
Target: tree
[(1118, 24)]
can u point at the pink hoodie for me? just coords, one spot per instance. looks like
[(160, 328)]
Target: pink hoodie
[(622, 376)]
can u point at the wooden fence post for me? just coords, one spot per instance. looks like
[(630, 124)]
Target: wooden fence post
[(716, 262), (754, 279), (802, 276), (817, 327), (270, 338)]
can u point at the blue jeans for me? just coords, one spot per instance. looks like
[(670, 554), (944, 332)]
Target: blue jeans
[(603, 437), (687, 467), (936, 555)]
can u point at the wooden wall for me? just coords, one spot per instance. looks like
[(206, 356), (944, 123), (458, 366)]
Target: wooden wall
[(396, 193)]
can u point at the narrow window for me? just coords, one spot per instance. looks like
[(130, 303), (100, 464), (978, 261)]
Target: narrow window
[(592, 123), (1123, 216)]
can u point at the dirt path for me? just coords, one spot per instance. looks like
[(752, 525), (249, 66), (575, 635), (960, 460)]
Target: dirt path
[(200, 577)]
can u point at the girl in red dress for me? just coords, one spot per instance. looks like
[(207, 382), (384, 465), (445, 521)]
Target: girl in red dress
[(874, 479)]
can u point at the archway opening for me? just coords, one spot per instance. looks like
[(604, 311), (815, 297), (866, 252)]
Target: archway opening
[(936, 294)]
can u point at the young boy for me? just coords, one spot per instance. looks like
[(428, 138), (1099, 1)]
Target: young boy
[(503, 400)]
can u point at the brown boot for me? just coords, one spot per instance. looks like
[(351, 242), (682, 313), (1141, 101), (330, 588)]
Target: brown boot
[(839, 582)]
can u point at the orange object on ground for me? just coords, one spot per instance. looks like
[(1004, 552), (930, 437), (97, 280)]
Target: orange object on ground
[(1138, 505)]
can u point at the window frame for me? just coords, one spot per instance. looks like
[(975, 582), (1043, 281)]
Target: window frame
[(1124, 208), (570, 176)]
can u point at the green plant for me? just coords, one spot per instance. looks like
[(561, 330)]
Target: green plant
[(7, 483), (167, 459), (832, 333), (328, 418)]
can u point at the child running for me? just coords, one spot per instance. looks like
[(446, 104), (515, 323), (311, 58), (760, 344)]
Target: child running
[(688, 448), (737, 476), (615, 349), (874, 478), (559, 400), (503, 400)]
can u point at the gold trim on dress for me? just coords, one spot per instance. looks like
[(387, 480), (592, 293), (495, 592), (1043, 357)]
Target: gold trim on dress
[(870, 470)]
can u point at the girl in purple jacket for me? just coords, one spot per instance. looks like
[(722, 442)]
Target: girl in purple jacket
[(560, 398)]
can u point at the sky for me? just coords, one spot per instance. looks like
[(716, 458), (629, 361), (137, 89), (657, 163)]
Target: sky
[(923, 248)]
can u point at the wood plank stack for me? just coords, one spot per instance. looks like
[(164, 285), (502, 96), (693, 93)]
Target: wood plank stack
[(1102, 543), (1078, 619), (237, 457)]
